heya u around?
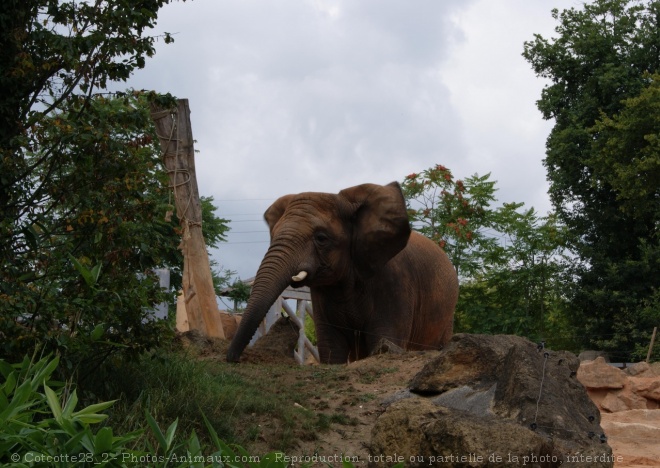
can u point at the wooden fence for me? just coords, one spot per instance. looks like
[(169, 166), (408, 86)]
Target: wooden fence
[(296, 314)]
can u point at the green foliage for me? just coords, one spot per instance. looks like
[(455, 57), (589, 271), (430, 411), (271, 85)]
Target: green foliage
[(51, 51), (81, 190), (40, 423), (510, 262), (79, 280), (41, 426), (603, 162), (239, 292), (310, 329), (453, 213), (520, 290), (215, 229), (627, 152), (83, 196)]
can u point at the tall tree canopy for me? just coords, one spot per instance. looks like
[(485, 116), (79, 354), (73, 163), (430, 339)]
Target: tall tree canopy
[(603, 162), (51, 50)]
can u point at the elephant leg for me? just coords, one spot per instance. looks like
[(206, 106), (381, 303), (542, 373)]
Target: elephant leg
[(333, 345)]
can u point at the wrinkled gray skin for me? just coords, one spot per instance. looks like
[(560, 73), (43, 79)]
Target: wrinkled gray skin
[(370, 277)]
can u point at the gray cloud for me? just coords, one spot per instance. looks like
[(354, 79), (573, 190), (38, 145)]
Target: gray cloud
[(319, 95)]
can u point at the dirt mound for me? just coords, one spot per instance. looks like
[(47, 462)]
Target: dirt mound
[(357, 394), (276, 347)]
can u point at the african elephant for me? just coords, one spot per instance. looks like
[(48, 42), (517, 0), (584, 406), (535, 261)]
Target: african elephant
[(370, 278)]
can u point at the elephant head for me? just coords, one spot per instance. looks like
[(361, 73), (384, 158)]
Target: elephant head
[(321, 239)]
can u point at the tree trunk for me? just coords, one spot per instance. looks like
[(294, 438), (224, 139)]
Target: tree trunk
[(175, 135)]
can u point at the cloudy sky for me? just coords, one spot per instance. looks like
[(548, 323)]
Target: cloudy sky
[(290, 96)]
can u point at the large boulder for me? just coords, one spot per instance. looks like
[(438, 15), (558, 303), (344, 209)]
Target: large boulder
[(494, 401), (644, 369), (599, 374), (634, 436), (614, 390)]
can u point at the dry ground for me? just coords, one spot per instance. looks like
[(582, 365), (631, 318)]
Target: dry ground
[(353, 394)]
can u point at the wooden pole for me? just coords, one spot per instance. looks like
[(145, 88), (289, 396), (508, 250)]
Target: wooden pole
[(175, 134), (648, 356)]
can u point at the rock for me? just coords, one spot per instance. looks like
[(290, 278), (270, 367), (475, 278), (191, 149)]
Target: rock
[(599, 374), (647, 387), (644, 369), (438, 436), (396, 396), (494, 398), (637, 368), (614, 390), (633, 436), (591, 355), (622, 400), (386, 346)]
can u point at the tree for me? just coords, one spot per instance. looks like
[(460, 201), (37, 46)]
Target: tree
[(51, 50), (453, 213), (82, 194), (602, 160), (520, 289), (510, 262), (80, 280), (627, 152)]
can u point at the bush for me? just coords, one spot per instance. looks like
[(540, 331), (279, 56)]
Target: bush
[(42, 427)]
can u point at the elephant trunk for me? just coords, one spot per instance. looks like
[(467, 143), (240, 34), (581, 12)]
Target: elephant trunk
[(274, 275)]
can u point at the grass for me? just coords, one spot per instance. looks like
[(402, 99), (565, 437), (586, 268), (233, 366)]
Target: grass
[(180, 401), (371, 375), (240, 402)]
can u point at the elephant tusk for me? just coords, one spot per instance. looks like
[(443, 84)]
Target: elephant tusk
[(300, 276)]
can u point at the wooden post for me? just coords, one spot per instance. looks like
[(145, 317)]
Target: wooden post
[(300, 313), (301, 326), (648, 356), (175, 134)]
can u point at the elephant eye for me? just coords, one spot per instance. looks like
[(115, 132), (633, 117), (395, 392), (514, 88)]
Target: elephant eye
[(321, 238)]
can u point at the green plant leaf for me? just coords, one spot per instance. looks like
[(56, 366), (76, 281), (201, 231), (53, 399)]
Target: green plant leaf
[(214, 435), (158, 434), (53, 403), (194, 449), (17, 403), (84, 272), (89, 414), (9, 385), (103, 441), (44, 368), (6, 368), (96, 272), (98, 331), (70, 405), (95, 408), (91, 418), (171, 431)]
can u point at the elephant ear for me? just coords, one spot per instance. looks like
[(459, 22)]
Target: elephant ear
[(380, 224), (276, 210)]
